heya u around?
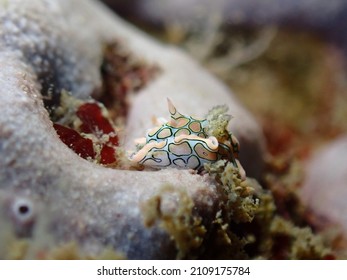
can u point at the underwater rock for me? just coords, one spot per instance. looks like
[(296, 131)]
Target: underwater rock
[(324, 189), (50, 46)]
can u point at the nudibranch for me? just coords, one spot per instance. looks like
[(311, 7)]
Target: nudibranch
[(184, 142)]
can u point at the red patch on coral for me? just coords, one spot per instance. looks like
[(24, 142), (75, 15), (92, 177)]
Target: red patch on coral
[(95, 123), (107, 155), (80, 145), (92, 120)]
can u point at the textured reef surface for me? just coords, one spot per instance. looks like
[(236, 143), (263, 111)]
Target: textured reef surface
[(78, 86), (48, 192)]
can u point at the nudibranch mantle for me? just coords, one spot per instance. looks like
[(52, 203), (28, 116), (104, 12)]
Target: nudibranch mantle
[(183, 142)]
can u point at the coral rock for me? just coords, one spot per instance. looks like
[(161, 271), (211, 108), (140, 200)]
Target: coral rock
[(54, 196), (324, 190)]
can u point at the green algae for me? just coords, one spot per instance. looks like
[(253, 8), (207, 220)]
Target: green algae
[(187, 229), (247, 224), (183, 226), (279, 230), (218, 120), (238, 208), (235, 195), (298, 243)]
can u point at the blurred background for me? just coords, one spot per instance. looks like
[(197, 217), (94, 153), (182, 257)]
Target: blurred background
[(284, 59)]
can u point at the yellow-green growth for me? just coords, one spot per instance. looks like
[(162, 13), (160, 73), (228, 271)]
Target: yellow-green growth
[(237, 198), (218, 120), (179, 221), (237, 209), (302, 243)]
